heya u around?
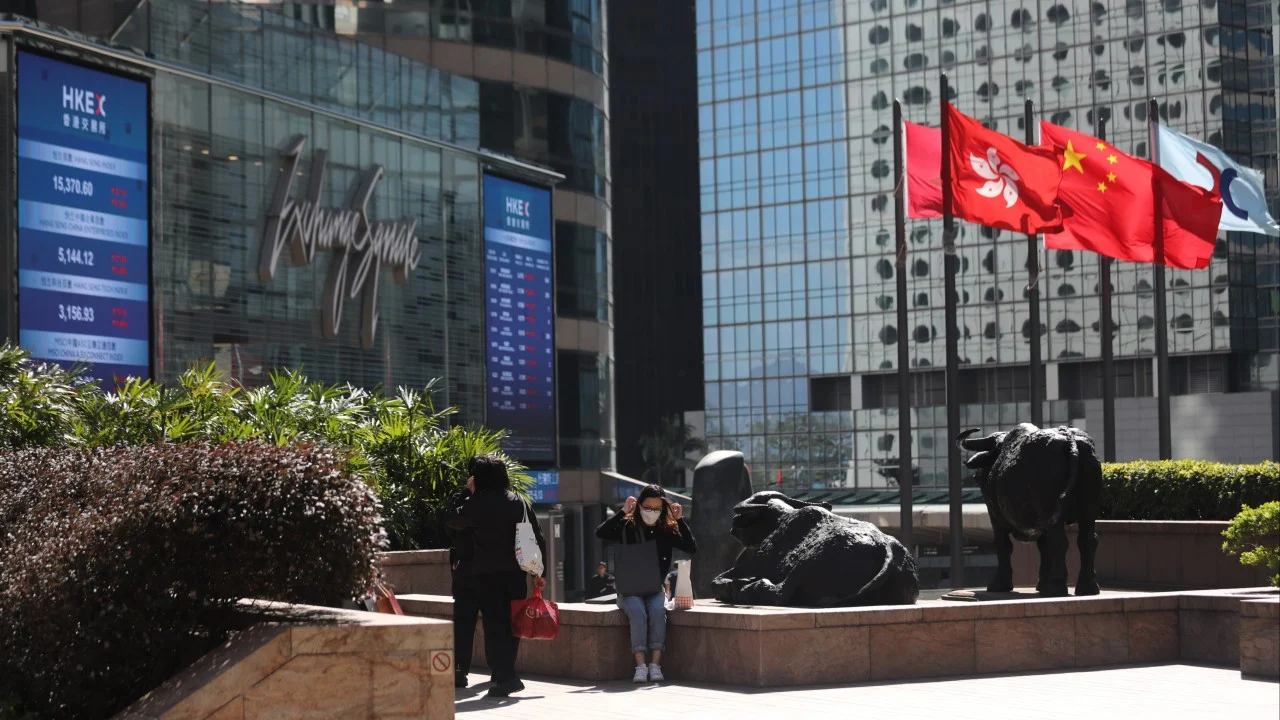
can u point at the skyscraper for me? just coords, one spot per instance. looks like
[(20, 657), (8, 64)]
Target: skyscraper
[(655, 204), (799, 323)]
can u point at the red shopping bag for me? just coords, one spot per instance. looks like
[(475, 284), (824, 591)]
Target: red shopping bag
[(386, 599), (535, 618)]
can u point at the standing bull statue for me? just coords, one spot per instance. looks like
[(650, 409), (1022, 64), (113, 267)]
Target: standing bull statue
[(801, 554), (1036, 482)]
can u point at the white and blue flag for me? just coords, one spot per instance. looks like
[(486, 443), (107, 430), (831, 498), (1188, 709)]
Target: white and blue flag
[(1244, 205)]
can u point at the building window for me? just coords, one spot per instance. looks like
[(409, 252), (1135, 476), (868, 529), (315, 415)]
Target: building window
[(582, 272), (584, 398), (996, 385), (1198, 374), (1083, 380), (928, 389), (831, 394)]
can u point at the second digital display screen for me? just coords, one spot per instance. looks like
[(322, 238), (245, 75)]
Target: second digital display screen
[(83, 217), (520, 318)]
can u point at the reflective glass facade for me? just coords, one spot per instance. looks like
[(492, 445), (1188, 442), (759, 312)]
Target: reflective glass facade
[(382, 63), (217, 161), (797, 218), (286, 51)]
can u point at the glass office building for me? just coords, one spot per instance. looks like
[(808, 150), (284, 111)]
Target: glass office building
[(216, 164), (524, 80), (438, 92), (795, 102)]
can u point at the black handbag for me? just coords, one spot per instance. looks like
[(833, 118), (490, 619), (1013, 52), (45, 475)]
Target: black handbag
[(637, 567)]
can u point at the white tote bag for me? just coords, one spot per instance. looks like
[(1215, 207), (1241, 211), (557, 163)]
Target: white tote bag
[(528, 554), (684, 587)]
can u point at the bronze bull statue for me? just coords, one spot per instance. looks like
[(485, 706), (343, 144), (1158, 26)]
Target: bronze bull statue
[(800, 554), (1035, 482)]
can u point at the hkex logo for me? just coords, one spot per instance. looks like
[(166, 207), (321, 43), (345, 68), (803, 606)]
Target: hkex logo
[(84, 101), (518, 214), (516, 206)]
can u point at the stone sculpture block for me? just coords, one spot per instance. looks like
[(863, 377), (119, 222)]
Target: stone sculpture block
[(720, 481)]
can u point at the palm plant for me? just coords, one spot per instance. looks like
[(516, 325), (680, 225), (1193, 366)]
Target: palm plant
[(403, 446), (39, 403), (666, 451)]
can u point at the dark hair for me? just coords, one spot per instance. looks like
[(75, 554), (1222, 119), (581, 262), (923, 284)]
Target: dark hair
[(490, 473), (664, 520)]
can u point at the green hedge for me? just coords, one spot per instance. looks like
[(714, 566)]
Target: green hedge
[(1185, 489)]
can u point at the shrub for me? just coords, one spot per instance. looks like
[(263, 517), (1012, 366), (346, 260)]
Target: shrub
[(419, 461), (39, 403), (409, 451), (1254, 535), (120, 566), (1185, 489)]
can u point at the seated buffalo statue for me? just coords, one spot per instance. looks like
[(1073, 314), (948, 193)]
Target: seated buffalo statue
[(801, 554), (1036, 482)]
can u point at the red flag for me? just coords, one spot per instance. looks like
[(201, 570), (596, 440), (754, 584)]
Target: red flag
[(999, 182), (924, 170), (1108, 205)]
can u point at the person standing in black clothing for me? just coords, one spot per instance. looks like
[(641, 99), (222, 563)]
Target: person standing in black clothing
[(601, 583), (491, 512), (466, 604)]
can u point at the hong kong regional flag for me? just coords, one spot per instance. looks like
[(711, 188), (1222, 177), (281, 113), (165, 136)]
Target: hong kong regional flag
[(999, 182), (1108, 203)]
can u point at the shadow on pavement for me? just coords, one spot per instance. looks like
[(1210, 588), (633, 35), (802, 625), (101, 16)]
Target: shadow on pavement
[(484, 703)]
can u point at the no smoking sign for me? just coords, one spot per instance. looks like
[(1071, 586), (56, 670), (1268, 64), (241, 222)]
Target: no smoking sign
[(441, 662)]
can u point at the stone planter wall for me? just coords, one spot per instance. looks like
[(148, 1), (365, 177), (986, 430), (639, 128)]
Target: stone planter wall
[(769, 647), (422, 572), (1162, 554), (329, 664), (1260, 638)]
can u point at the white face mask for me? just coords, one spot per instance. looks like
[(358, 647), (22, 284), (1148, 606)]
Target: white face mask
[(650, 517)]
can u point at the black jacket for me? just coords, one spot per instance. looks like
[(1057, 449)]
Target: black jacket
[(597, 586), (463, 551), (613, 529), (491, 519)]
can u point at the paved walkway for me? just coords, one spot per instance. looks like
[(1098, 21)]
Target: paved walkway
[(1166, 692)]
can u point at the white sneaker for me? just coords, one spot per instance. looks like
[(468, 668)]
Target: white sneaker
[(642, 674), (655, 673)]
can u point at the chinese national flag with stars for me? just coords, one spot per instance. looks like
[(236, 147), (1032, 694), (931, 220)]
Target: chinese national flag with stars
[(1108, 205)]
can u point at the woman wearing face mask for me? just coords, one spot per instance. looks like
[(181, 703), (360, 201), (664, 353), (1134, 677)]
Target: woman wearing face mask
[(650, 518)]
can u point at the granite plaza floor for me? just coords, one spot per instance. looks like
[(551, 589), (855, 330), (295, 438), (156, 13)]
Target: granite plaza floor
[(1166, 692)]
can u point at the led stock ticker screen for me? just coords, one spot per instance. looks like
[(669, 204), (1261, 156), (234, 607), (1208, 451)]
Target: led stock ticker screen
[(83, 217), (519, 318)]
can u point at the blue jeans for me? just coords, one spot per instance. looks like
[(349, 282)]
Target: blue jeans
[(648, 615)]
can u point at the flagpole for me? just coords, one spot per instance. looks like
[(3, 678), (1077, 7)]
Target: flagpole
[(1033, 296), (905, 489), (1108, 350), (951, 262), (1162, 313)]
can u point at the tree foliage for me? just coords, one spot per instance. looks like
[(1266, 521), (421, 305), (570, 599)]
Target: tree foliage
[(666, 451), (1254, 535)]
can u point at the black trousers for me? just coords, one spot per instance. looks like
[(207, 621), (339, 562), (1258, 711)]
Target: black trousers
[(494, 593), (466, 612)]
